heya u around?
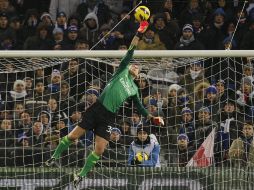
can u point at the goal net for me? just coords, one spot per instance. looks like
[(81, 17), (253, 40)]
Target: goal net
[(205, 100)]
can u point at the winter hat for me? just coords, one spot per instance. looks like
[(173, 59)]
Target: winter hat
[(153, 102), (186, 110), (220, 81), (45, 14), (57, 30), (246, 80), (188, 27), (61, 14), (55, 72), (160, 16), (116, 130), (175, 87), (197, 62), (72, 28), (92, 91), (211, 89), (219, 11), (183, 136), (204, 109), (17, 82)]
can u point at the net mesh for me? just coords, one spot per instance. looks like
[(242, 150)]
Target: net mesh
[(205, 102)]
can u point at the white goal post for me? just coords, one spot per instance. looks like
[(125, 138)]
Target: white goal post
[(137, 54)]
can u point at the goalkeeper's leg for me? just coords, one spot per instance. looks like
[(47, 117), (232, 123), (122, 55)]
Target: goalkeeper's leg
[(100, 146), (65, 143)]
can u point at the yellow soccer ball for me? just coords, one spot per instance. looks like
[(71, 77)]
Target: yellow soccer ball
[(141, 156), (142, 13)]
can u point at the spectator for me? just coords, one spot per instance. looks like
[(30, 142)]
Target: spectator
[(75, 77), (227, 8), (98, 7), (242, 150), (55, 113), (81, 45), (5, 30), (230, 127), (185, 153), (90, 29), (125, 128), (74, 119), (71, 38), (58, 39), (204, 125), (35, 135), (19, 93), (45, 118), (127, 27), (167, 31), (144, 85), (23, 141), (247, 41), (61, 21), (136, 122), (200, 91), (67, 102), (46, 19), (145, 145), (198, 27), (151, 41), (245, 97), (187, 126), (193, 8), (169, 10), (214, 34), (31, 21), (193, 75), (211, 101), (248, 71), (38, 101), (7, 7), (16, 25), (18, 109), (115, 137), (67, 6), (29, 85), (24, 125), (90, 97), (7, 138), (54, 86), (110, 40), (187, 40), (40, 41)]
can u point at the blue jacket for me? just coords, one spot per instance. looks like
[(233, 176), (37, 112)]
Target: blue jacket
[(152, 149)]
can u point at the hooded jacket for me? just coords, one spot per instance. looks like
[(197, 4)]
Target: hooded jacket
[(91, 35)]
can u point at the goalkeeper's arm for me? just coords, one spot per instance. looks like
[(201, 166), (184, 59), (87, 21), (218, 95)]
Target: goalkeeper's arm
[(127, 58)]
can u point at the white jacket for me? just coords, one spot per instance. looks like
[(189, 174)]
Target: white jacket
[(67, 6)]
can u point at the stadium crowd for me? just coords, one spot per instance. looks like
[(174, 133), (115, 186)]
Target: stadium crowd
[(41, 106)]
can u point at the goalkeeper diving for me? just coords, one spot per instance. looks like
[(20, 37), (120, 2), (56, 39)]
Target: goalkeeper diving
[(101, 115)]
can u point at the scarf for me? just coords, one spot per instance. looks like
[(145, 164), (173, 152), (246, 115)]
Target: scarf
[(186, 42), (194, 74), (18, 95)]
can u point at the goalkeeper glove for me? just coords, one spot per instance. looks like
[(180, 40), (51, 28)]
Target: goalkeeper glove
[(143, 25)]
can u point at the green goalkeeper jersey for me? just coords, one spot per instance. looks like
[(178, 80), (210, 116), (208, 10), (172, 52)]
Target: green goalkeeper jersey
[(121, 87)]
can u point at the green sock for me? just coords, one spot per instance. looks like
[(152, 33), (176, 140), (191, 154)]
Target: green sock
[(63, 145), (90, 162)]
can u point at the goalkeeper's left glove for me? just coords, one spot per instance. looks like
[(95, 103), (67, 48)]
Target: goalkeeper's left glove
[(143, 25)]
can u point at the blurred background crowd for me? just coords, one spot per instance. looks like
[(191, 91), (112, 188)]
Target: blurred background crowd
[(40, 106)]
